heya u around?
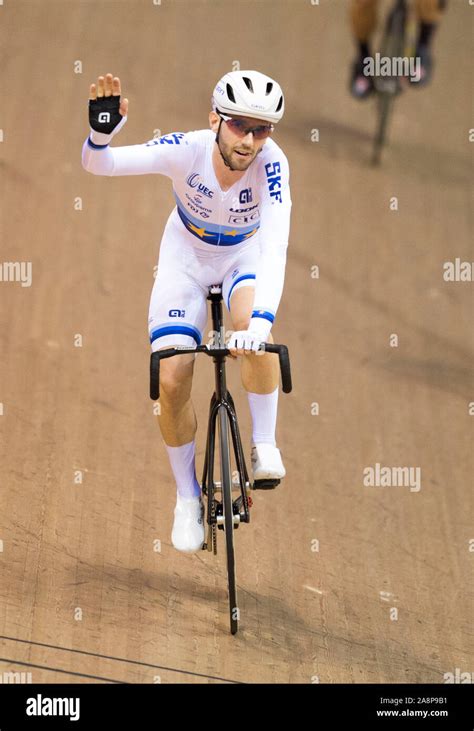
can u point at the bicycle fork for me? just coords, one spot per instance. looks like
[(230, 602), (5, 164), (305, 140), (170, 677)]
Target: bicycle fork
[(242, 504)]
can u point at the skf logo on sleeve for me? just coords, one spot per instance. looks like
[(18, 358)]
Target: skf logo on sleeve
[(273, 170), (172, 139)]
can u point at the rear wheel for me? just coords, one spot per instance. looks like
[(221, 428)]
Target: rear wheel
[(226, 485)]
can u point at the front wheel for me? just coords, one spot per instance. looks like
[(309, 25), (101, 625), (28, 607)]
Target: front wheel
[(393, 43), (226, 485)]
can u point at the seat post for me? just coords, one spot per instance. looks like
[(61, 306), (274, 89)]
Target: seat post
[(215, 297)]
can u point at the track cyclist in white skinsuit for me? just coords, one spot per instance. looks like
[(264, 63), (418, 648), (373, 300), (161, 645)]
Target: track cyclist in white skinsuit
[(230, 225)]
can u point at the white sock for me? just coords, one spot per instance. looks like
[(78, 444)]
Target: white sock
[(182, 460), (263, 408)]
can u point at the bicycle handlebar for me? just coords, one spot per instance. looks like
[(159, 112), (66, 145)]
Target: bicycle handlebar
[(159, 355)]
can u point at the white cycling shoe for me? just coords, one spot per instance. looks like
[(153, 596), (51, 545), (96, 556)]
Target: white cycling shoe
[(188, 527), (266, 462)]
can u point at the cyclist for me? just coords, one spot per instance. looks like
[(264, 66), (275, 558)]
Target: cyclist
[(230, 225), (363, 18)]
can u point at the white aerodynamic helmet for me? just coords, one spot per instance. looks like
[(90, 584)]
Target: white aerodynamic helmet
[(249, 94)]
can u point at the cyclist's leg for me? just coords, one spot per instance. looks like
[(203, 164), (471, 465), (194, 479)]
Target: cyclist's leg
[(363, 19), (429, 13), (260, 377), (177, 316), (260, 373)]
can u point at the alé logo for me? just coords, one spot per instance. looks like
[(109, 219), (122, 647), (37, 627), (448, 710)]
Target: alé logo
[(245, 195), (104, 117), (194, 180), (176, 313)]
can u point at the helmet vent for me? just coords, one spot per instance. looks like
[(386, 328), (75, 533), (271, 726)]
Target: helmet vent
[(248, 83), (279, 104), (269, 88), (230, 93)]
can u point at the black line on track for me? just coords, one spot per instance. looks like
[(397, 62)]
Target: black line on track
[(119, 659), (59, 670)]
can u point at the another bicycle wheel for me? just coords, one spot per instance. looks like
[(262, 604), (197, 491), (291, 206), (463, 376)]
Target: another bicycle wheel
[(384, 104), (388, 87), (226, 486)]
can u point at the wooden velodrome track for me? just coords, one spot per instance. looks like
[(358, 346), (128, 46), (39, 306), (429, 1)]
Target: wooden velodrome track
[(85, 595)]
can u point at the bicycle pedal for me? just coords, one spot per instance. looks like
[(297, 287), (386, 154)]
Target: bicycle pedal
[(265, 484)]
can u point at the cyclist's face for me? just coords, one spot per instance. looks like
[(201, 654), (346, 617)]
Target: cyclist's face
[(238, 151)]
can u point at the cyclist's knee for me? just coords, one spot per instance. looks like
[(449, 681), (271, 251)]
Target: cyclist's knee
[(176, 375), (241, 323), (428, 11), (264, 356)]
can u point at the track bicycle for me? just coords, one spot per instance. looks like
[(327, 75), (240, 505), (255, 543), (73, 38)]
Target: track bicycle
[(228, 499)]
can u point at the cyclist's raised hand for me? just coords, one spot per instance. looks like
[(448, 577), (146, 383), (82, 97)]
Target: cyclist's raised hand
[(107, 113)]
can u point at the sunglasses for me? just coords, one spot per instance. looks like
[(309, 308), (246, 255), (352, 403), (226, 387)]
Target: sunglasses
[(241, 128)]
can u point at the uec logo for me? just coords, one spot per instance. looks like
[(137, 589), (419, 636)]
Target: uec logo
[(194, 180), (104, 117), (176, 313)]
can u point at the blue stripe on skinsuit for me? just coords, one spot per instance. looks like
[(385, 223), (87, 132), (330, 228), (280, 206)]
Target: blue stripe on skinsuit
[(176, 330), (264, 314), (212, 233), (239, 279)]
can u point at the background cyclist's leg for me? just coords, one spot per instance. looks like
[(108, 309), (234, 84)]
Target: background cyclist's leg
[(363, 15), (429, 14), (363, 19), (429, 11), (260, 373)]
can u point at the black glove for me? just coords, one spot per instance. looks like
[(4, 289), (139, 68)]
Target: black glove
[(104, 115)]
